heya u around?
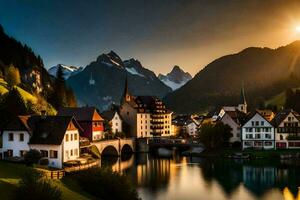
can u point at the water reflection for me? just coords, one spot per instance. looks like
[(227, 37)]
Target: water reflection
[(196, 178)]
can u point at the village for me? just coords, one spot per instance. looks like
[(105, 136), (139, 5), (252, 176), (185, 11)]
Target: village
[(70, 137)]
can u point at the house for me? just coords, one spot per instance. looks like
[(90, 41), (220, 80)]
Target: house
[(88, 118), (258, 133), (185, 125), (114, 119), (268, 114), (146, 116), (234, 119), (287, 131), (241, 107), (56, 137)]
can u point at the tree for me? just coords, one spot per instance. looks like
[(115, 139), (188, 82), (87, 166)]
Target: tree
[(215, 136), (32, 157), (70, 97), (12, 76), (34, 187), (14, 104), (105, 184)]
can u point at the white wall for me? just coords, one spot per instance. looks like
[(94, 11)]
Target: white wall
[(16, 145), (251, 130), (71, 145), (236, 131), (53, 162), (116, 123)]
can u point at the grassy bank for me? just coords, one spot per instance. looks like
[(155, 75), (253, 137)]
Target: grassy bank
[(10, 174)]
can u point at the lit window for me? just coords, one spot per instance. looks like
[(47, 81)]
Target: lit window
[(67, 138)]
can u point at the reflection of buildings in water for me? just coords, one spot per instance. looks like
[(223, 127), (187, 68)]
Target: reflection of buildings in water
[(122, 165), (265, 176)]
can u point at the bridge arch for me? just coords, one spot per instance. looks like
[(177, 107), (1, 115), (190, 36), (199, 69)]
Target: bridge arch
[(115, 147), (110, 150), (126, 149)]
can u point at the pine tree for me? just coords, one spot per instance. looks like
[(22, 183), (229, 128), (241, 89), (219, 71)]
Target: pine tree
[(71, 99), (12, 76)]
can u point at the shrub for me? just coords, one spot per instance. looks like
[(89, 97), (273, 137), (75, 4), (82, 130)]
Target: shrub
[(44, 161), (34, 187), (32, 157), (106, 185)]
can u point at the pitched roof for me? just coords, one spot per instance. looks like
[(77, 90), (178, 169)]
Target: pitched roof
[(251, 115), (109, 114), (80, 113), (18, 123), (49, 129), (237, 116), (281, 115)]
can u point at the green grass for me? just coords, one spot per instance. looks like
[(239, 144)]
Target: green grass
[(278, 100), (10, 174)]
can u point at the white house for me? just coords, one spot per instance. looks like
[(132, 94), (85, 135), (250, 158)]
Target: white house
[(287, 129), (185, 124), (56, 137), (234, 119), (114, 120), (258, 133)]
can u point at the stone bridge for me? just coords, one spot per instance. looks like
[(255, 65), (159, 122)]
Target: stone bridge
[(115, 147)]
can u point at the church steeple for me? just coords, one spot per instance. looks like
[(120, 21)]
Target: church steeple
[(126, 96), (242, 104)]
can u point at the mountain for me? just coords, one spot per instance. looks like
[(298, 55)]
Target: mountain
[(263, 72), (101, 83), (176, 78), (67, 70)]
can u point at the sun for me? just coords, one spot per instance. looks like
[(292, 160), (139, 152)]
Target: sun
[(297, 29)]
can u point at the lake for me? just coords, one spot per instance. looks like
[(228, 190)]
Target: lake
[(185, 178)]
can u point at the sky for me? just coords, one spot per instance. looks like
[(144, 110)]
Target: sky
[(159, 33)]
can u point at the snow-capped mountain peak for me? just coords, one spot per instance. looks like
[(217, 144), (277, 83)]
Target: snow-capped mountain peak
[(67, 70), (176, 78)]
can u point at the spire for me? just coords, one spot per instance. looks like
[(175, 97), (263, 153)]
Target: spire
[(126, 95), (243, 98), (91, 81)]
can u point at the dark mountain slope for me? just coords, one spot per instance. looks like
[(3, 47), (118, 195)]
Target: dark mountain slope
[(263, 72), (108, 74)]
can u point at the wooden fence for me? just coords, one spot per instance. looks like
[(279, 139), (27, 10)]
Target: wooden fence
[(82, 166), (58, 174)]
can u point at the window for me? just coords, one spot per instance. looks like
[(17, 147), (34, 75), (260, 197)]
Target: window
[(75, 136), (262, 123), (71, 137), (10, 137), (252, 123), (127, 113), (268, 136), (53, 154), (76, 152), (116, 124), (22, 153), (10, 153), (67, 138), (257, 136), (44, 153), (71, 152), (21, 137), (257, 123)]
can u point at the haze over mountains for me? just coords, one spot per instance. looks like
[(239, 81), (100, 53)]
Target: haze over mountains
[(101, 83), (263, 72)]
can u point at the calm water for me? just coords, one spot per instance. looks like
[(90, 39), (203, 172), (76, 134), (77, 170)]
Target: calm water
[(183, 178)]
